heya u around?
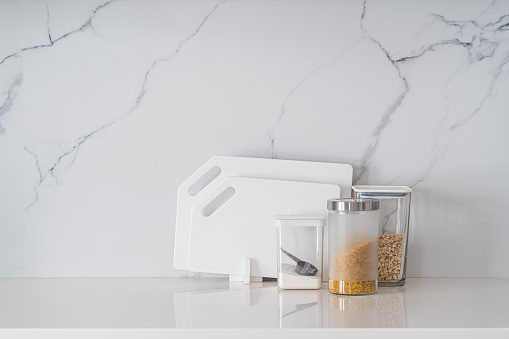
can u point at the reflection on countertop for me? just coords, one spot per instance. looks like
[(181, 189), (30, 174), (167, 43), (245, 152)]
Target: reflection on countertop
[(263, 305), (385, 309), (189, 303)]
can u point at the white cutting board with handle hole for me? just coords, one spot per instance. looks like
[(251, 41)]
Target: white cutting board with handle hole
[(236, 221), (202, 182)]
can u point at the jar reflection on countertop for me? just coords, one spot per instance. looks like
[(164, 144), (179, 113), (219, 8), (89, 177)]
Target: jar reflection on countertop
[(385, 309), (353, 245), (352, 311)]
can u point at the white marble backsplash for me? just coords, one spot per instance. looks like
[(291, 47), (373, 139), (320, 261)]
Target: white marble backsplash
[(107, 106)]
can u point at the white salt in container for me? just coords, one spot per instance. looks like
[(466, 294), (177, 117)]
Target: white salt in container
[(300, 251)]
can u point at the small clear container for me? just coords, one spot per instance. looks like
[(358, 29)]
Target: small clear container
[(393, 226), (353, 245), (300, 251)]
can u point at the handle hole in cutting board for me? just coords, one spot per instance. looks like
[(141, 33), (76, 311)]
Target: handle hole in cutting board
[(204, 180), (218, 201)]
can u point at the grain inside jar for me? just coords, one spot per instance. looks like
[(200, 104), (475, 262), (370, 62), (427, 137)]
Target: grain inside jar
[(390, 256), (353, 245), (353, 270)]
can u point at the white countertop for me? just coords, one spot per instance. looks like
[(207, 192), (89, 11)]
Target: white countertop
[(214, 303)]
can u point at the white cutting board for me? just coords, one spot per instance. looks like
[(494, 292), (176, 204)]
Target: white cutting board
[(217, 168), (236, 221)]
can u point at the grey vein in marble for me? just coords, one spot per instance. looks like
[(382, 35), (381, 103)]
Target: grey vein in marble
[(440, 148), (79, 142), (198, 29), (371, 149), (271, 135), (87, 24), (142, 93), (460, 122), (41, 177), (74, 150), (47, 23), (368, 153), (51, 171), (479, 48), (12, 93)]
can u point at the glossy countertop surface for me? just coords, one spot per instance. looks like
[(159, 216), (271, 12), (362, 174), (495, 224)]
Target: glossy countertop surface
[(215, 303)]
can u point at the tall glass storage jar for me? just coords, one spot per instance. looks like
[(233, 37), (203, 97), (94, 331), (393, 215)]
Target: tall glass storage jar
[(393, 225), (353, 245)]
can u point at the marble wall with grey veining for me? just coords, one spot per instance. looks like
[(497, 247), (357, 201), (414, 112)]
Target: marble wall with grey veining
[(107, 106)]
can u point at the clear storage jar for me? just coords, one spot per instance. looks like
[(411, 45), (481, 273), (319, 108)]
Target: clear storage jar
[(300, 251), (353, 245), (394, 220)]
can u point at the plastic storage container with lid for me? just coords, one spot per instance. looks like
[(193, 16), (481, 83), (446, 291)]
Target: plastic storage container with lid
[(353, 246), (300, 251), (393, 225)]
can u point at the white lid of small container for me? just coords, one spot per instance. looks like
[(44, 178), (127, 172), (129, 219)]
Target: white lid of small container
[(300, 220), (381, 189)]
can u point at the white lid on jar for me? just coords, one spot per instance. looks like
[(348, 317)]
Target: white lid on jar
[(300, 220), (381, 189)]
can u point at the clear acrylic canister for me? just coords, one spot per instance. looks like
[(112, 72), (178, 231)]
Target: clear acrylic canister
[(392, 230), (353, 245), (300, 251)]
